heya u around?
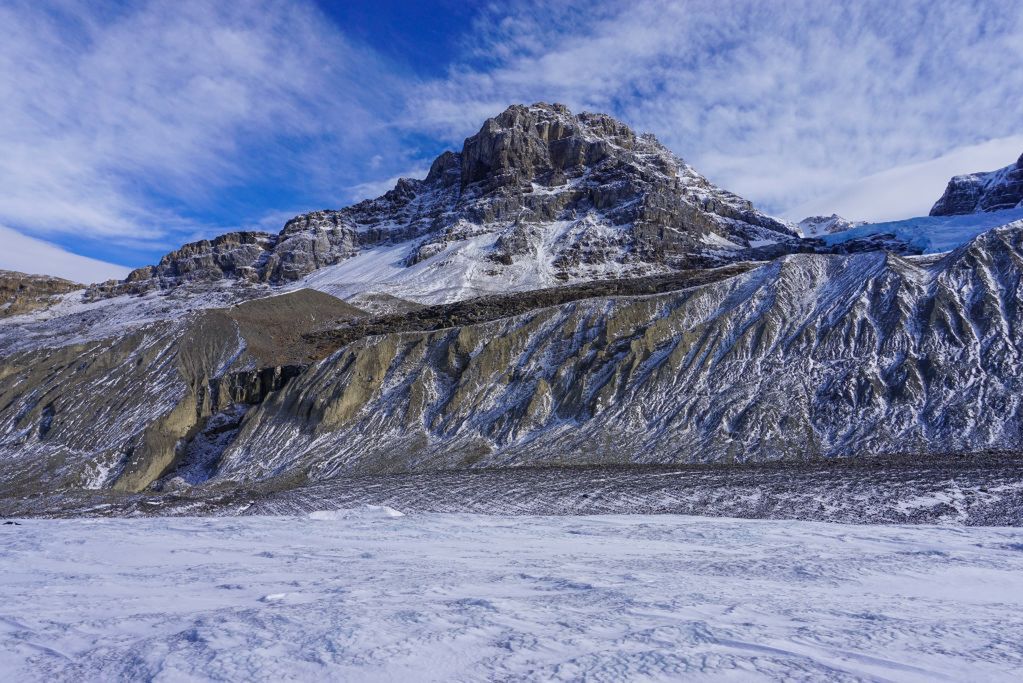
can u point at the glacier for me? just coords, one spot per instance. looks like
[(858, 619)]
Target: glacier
[(931, 234), (363, 595)]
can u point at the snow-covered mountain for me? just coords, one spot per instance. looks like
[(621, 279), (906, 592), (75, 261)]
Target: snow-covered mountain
[(539, 196), (975, 192), (815, 226)]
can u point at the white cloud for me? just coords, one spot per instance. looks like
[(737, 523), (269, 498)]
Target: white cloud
[(781, 102), (125, 123), (29, 255), (911, 189)]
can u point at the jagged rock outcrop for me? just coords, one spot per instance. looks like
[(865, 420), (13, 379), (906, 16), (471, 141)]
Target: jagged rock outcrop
[(974, 192), (582, 195), (22, 293), (808, 356)]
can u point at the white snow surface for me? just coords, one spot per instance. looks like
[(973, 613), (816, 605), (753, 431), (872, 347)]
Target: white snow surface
[(932, 234), (364, 512), (461, 597), (462, 270)]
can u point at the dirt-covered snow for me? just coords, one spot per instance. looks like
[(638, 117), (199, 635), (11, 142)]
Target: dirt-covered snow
[(373, 597)]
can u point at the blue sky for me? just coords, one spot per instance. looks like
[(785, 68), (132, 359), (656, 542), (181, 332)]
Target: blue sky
[(131, 127)]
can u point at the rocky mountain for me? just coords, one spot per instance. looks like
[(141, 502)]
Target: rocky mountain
[(814, 226), (992, 191), (537, 197), (808, 356), (560, 291)]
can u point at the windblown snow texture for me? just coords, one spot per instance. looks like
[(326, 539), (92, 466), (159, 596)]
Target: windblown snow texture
[(362, 595)]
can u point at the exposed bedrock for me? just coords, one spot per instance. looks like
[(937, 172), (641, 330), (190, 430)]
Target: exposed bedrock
[(973, 192)]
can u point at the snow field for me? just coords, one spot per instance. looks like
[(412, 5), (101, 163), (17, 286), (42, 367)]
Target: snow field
[(364, 595)]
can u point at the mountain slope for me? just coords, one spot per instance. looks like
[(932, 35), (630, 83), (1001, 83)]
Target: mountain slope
[(120, 410), (808, 356)]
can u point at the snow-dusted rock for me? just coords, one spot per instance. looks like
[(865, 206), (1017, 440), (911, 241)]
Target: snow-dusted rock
[(577, 196), (21, 293), (815, 226), (808, 356), (974, 192)]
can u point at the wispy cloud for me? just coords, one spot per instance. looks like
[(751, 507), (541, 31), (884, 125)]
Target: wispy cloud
[(29, 255), (119, 123), (780, 101)]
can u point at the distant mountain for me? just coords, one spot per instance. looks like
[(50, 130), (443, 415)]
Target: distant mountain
[(815, 226), (539, 196), (976, 192)]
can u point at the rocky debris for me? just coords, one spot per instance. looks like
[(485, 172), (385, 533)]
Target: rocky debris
[(495, 307), (983, 488), (22, 293), (584, 188), (814, 226), (976, 192)]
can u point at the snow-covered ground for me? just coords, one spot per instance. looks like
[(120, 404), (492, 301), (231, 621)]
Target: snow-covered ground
[(367, 596)]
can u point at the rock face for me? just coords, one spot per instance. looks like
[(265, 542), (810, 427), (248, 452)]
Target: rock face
[(815, 226), (21, 293), (583, 194), (974, 192)]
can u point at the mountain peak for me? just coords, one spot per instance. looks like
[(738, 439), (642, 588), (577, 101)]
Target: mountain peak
[(982, 192), (815, 226), (528, 142), (537, 197)]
